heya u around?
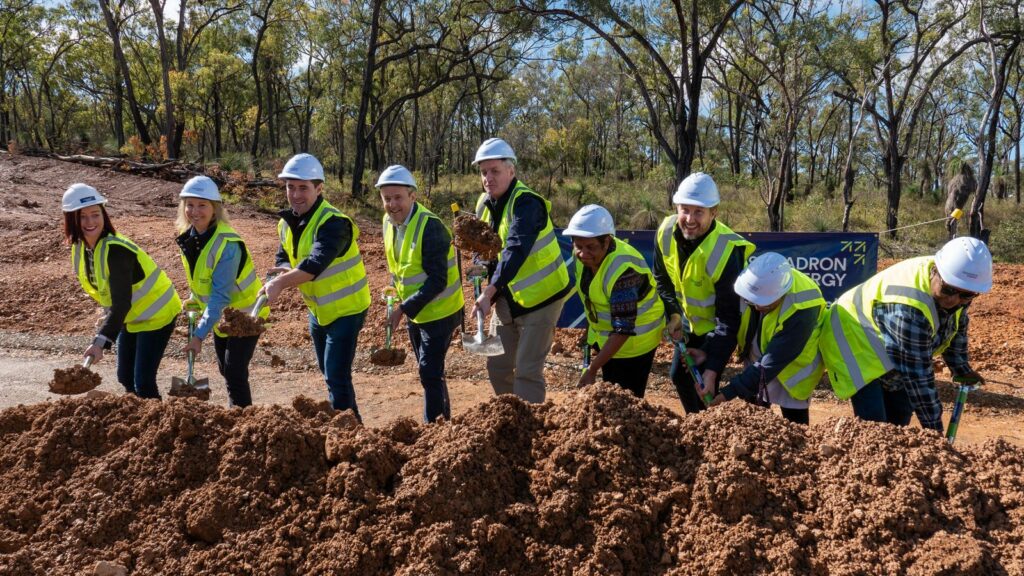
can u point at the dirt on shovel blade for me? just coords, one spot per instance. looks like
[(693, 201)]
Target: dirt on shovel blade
[(182, 390), (475, 235), (237, 323), (388, 357), (74, 380)]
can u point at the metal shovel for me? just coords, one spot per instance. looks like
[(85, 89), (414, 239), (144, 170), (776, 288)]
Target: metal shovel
[(190, 386), (958, 411), (477, 343)]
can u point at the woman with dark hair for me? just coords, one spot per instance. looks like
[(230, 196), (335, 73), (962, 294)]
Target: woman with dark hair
[(140, 300)]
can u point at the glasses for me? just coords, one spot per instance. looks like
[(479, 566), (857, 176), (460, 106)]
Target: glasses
[(948, 290)]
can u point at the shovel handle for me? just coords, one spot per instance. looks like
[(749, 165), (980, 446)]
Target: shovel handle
[(88, 361), (694, 373), (191, 332), (958, 410), (389, 300), (259, 304)]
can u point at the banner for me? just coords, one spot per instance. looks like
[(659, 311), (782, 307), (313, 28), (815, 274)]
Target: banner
[(837, 261)]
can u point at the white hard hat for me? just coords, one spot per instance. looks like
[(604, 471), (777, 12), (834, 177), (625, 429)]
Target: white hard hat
[(79, 196), (765, 280), (396, 175), (590, 221), (302, 167), (965, 263), (201, 187), (697, 189), (492, 149)]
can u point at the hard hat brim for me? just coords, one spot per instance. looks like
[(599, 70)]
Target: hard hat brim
[(678, 200), (378, 185), (200, 196), (484, 158)]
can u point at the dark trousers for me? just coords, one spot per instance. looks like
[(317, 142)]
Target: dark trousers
[(138, 359), (234, 354), (630, 373), (876, 404), (797, 415), (685, 385), (430, 342), (335, 347)]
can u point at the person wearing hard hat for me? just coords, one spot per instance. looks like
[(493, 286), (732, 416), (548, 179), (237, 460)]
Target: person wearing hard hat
[(140, 299), (696, 263), (880, 336), (424, 271), (221, 273), (781, 314), (320, 255), (529, 281), (625, 316)]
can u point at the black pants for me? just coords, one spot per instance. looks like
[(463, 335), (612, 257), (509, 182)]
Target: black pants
[(797, 415), (233, 356), (430, 341), (683, 381), (630, 373)]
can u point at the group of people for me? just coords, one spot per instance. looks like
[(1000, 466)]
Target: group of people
[(704, 291)]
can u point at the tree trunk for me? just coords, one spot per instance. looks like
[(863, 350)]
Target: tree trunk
[(170, 129), (358, 191), (113, 28), (217, 120)]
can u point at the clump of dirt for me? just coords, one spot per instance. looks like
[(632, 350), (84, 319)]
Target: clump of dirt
[(180, 389), (74, 380), (475, 235), (235, 322), (388, 356), (602, 483)]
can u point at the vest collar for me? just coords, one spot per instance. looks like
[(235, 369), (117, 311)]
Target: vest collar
[(300, 220)]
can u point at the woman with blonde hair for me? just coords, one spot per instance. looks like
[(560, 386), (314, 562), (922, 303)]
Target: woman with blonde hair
[(221, 274)]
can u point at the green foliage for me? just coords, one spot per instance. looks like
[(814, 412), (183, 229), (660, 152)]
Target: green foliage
[(1007, 241)]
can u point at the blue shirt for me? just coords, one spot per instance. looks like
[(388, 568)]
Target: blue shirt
[(224, 274)]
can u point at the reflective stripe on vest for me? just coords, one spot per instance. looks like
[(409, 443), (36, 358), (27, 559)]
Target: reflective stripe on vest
[(409, 261), (155, 303), (650, 317), (694, 282), (853, 346), (243, 294), (341, 289), (543, 273), (800, 376)]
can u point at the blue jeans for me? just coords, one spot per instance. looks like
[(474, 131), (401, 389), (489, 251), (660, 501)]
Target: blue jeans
[(430, 342), (138, 359), (335, 346), (876, 404)]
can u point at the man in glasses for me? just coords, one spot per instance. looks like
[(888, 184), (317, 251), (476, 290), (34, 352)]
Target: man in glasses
[(880, 336)]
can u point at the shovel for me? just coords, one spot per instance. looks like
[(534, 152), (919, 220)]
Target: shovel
[(75, 380), (958, 411), (694, 373), (388, 356), (476, 343), (190, 386)]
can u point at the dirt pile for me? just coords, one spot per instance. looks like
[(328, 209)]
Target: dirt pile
[(387, 356), (600, 484), (475, 235)]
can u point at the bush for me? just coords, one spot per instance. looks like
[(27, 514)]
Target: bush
[(1007, 241)]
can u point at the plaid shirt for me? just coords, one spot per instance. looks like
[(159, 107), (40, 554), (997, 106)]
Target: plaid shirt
[(909, 342)]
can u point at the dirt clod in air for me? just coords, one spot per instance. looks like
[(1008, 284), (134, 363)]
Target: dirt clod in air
[(601, 483), (237, 323), (475, 235), (388, 356), (74, 380)]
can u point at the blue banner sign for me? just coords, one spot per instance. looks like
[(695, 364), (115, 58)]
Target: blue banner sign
[(837, 261)]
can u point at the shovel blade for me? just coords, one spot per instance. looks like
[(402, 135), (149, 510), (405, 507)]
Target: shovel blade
[(490, 346)]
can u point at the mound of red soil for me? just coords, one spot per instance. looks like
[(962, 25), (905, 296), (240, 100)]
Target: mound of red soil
[(600, 484)]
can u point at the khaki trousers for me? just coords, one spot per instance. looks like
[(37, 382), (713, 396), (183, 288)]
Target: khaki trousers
[(527, 340)]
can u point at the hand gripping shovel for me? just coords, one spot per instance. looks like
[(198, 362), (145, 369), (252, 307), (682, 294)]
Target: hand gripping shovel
[(692, 367), (477, 343), (388, 356), (190, 387)]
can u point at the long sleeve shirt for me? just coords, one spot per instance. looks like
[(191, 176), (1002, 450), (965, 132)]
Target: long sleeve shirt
[(434, 248), (908, 339), (719, 343), (124, 271), (332, 239), (528, 218), (223, 279), (783, 349)]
